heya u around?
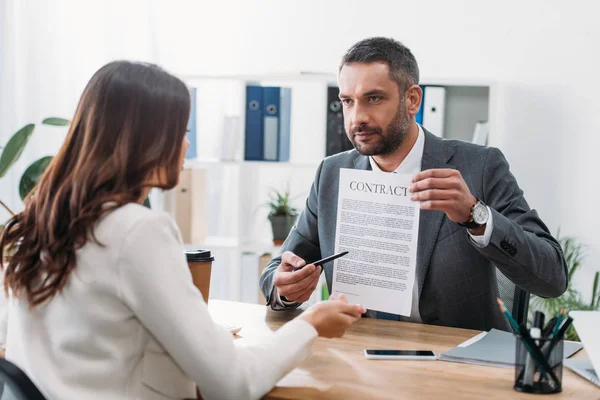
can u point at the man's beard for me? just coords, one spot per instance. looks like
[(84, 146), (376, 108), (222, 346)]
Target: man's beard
[(394, 135)]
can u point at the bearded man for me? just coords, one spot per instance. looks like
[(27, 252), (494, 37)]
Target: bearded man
[(474, 220)]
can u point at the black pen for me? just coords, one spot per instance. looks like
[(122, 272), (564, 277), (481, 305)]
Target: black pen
[(549, 345), (322, 261), (563, 328), (559, 335), (548, 329)]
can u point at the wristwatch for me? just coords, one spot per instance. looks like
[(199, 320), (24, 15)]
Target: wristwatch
[(479, 216)]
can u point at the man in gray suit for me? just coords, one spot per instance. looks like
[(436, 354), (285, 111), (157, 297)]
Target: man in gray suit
[(473, 213)]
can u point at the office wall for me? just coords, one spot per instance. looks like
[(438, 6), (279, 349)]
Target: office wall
[(542, 52), (48, 52)]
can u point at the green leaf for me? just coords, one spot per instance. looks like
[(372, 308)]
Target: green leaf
[(147, 202), (32, 175), (56, 121), (573, 251), (14, 148), (595, 290), (571, 334), (571, 299)]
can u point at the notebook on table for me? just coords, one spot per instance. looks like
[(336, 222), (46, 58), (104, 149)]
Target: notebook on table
[(495, 348)]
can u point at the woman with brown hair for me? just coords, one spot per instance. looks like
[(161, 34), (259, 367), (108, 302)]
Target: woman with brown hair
[(101, 304)]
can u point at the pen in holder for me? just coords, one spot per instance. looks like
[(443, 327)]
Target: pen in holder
[(538, 365)]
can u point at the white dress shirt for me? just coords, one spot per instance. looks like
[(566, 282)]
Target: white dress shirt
[(130, 324)]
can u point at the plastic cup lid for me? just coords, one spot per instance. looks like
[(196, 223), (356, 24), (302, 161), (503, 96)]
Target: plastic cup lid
[(198, 255)]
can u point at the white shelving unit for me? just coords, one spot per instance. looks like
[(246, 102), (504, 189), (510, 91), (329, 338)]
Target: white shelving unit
[(236, 189)]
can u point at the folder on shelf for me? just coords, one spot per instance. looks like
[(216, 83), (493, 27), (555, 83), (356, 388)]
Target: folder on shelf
[(254, 124), (191, 134), (336, 139), (276, 123), (285, 120), (480, 135), (270, 123), (419, 115), (434, 109)]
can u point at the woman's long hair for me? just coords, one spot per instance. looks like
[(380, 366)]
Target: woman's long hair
[(129, 124)]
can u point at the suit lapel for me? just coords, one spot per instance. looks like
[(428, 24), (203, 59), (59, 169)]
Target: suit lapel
[(435, 155), (362, 162)]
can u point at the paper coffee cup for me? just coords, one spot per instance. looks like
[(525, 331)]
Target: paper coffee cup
[(200, 263)]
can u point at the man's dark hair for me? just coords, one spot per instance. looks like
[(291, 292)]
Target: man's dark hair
[(401, 62)]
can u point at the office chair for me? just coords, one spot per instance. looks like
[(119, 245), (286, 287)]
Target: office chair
[(15, 385), (514, 298)]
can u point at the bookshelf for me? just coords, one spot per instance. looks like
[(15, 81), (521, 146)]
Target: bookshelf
[(235, 189), (200, 163)]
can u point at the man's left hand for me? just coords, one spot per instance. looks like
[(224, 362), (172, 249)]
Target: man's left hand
[(443, 190)]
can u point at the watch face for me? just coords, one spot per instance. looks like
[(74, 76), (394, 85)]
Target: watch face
[(480, 214)]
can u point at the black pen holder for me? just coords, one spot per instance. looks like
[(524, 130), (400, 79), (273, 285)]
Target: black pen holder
[(530, 375)]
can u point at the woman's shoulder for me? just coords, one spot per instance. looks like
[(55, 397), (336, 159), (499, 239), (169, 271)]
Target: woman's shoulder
[(119, 223)]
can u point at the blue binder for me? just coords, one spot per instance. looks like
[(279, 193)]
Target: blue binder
[(277, 110), (285, 111), (254, 124), (419, 116), (271, 105), (191, 135)]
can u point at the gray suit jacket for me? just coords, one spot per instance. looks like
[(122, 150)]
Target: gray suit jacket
[(456, 279)]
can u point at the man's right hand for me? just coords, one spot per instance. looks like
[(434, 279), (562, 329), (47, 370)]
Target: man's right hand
[(298, 285)]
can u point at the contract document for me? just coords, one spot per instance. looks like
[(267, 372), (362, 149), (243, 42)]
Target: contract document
[(378, 225)]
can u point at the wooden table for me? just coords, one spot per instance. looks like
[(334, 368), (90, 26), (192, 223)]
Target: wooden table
[(338, 369)]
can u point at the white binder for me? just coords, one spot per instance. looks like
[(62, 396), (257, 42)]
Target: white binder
[(434, 109), (481, 132)]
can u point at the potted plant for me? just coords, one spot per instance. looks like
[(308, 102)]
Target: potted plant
[(281, 214), (571, 299)]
